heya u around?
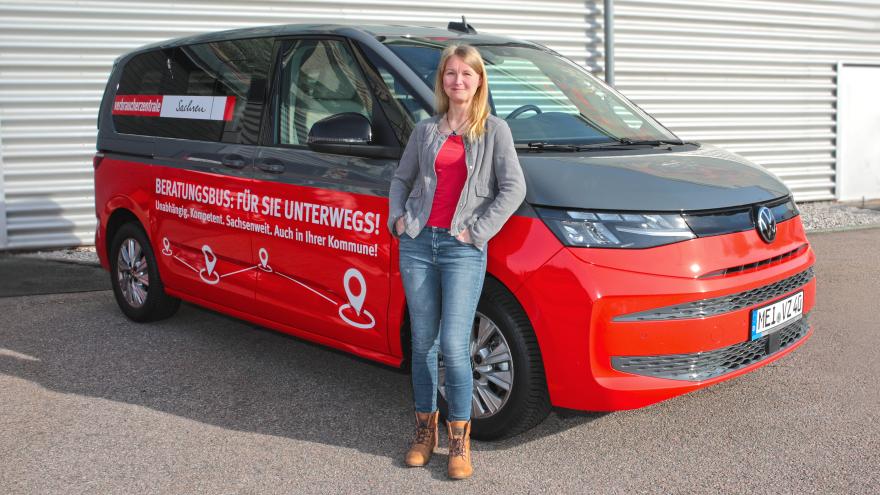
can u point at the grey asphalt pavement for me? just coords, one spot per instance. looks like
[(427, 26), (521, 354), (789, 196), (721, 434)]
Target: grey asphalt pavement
[(20, 276), (201, 403)]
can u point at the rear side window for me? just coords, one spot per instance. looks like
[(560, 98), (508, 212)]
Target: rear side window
[(207, 92)]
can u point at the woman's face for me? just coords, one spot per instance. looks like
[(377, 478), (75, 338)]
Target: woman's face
[(460, 81)]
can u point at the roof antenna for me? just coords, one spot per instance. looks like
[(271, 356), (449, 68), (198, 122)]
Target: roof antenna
[(461, 27)]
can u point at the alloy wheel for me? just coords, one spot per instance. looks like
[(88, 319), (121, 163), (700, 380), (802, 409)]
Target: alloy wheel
[(132, 272), (492, 366)]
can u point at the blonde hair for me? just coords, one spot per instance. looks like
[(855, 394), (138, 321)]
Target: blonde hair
[(479, 110)]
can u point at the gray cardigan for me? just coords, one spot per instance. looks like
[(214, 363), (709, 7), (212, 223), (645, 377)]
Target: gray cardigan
[(493, 190)]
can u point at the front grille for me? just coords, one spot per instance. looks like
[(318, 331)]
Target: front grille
[(724, 304), (757, 265), (737, 219), (710, 364)]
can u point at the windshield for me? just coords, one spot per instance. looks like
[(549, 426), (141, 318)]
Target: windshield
[(545, 98)]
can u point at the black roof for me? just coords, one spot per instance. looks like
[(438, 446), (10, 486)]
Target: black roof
[(377, 31)]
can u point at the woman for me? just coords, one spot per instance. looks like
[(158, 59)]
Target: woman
[(458, 182)]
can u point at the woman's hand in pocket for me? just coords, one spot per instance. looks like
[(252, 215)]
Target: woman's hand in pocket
[(465, 236), (399, 226)]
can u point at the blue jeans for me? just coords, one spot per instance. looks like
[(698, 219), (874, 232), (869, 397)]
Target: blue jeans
[(442, 278)]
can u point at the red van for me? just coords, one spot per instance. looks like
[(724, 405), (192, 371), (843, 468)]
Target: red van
[(248, 172)]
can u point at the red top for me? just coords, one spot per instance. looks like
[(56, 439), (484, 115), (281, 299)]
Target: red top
[(451, 169)]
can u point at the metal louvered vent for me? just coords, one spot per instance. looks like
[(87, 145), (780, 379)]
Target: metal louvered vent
[(55, 57), (756, 77), (705, 365), (725, 304)]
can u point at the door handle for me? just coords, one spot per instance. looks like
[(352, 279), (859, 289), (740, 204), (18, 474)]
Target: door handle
[(233, 161), (271, 166)]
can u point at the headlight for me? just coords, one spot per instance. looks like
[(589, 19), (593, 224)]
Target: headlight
[(615, 229)]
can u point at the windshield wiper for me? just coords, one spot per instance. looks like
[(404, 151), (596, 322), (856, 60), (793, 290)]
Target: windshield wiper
[(544, 146), (618, 143), (651, 142)]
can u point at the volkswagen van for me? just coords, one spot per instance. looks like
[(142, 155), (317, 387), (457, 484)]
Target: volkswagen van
[(248, 172)]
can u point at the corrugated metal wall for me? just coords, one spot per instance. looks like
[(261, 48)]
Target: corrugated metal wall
[(55, 57), (756, 77)]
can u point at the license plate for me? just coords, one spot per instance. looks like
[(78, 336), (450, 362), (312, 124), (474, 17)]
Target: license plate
[(772, 317)]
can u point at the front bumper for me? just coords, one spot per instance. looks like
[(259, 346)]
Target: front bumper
[(621, 329)]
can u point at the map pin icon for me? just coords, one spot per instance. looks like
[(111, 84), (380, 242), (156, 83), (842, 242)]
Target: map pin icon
[(210, 259), (356, 301), (264, 257), (166, 243)]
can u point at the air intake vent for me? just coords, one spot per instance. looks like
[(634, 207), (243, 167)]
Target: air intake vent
[(725, 304), (757, 265), (705, 365)]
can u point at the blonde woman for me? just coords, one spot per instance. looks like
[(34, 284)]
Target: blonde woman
[(458, 182)]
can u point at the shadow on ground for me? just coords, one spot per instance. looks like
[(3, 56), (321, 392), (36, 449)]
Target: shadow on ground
[(220, 371), (21, 276)]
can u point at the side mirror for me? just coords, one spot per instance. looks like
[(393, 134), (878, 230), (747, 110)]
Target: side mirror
[(347, 133), (341, 129)]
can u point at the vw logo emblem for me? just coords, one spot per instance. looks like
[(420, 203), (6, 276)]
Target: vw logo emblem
[(765, 224)]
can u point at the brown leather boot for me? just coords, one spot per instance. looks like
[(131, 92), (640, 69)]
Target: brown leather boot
[(425, 440), (459, 466)]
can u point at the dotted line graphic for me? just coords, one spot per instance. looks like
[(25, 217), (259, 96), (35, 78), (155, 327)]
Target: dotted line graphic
[(212, 277)]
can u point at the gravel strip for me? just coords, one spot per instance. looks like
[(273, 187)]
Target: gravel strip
[(820, 216), (829, 216), (83, 255)]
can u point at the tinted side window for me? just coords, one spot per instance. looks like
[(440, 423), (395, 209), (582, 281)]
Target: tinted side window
[(412, 107), (319, 78), (207, 92), (143, 74)]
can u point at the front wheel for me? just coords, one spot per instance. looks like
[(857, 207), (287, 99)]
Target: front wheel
[(510, 391), (134, 275)]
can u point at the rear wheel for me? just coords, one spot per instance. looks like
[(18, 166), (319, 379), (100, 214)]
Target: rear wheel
[(510, 391), (134, 275)]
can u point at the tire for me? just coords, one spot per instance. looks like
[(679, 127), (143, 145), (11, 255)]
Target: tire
[(527, 401), (135, 279)]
